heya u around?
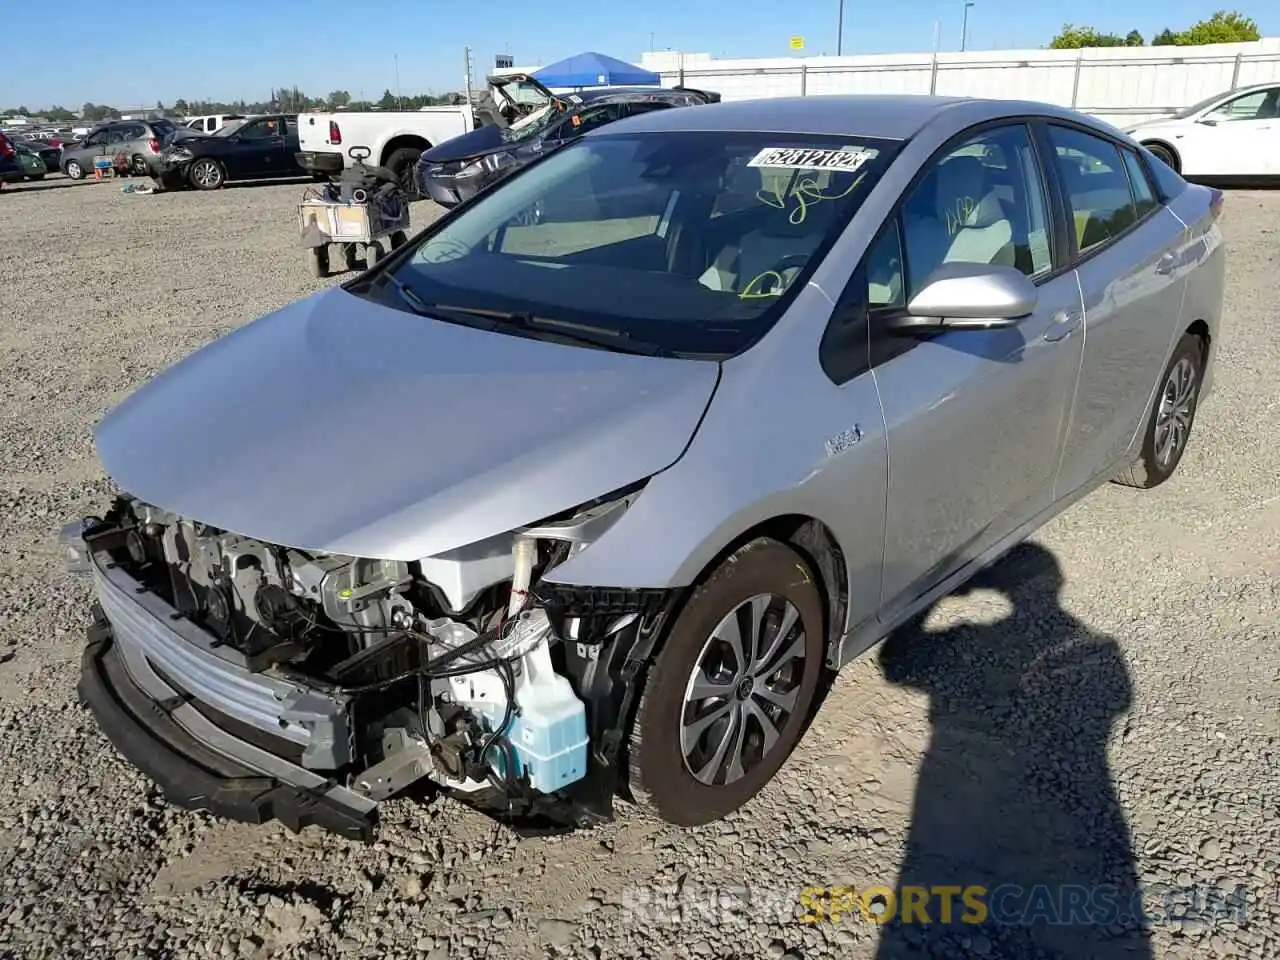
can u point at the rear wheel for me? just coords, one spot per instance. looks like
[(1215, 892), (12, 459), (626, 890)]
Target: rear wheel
[(74, 170), (1165, 154), (401, 163), (1172, 416), (398, 239), (727, 698)]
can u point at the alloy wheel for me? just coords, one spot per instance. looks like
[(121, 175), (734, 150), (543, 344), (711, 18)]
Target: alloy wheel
[(73, 170), (206, 174), (743, 689), (1177, 407)]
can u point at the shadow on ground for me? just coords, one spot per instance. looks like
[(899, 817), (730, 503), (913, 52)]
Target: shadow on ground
[(1015, 793)]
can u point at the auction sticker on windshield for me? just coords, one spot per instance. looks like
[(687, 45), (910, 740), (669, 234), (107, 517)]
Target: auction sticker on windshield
[(812, 158)]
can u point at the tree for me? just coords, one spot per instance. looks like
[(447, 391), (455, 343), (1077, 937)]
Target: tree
[(1072, 37), (1133, 39), (388, 101), (1165, 38), (338, 98), (180, 107), (60, 114), (1222, 27)]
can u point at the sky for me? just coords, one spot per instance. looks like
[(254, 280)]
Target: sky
[(74, 51)]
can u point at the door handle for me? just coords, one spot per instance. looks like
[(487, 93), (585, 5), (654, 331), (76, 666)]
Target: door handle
[(1064, 324)]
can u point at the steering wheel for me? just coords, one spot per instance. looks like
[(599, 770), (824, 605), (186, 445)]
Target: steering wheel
[(792, 261)]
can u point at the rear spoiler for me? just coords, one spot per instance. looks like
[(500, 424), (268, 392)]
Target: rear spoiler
[(710, 95)]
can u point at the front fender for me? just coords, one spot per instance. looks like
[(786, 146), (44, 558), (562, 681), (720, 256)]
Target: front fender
[(776, 441)]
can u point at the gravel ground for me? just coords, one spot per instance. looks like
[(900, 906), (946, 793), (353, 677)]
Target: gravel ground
[(1101, 709)]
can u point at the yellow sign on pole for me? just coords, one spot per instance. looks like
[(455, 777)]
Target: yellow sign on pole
[(797, 43)]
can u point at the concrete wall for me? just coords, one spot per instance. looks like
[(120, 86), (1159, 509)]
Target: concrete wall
[(1123, 85)]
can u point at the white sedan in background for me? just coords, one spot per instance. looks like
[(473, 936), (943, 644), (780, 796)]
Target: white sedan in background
[(1231, 138)]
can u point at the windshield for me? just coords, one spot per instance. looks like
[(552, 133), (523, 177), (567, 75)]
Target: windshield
[(1197, 107), (526, 127), (694, 242)]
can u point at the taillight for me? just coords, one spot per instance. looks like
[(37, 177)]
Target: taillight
[(335, 133), (154, 144), (1216, 198)]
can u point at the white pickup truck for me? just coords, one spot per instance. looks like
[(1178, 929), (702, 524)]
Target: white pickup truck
[(395, 140)]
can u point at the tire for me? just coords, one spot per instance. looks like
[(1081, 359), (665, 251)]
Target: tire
[(35, 176), (320, 261), (401, 163), (660, 769), (74, 170), (1174, 410), (1166, 155), (140, 168), (398, 239), (206, 174), (351, 255)]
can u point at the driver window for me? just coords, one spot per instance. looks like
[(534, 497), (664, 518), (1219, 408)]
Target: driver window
[(1260, 105), (258, 130), (983, 202)]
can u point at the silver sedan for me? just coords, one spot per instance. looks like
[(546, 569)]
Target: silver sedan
[(582, 490)]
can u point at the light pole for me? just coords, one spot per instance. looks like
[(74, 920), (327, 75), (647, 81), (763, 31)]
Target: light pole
[(840, 30), (964, 26)]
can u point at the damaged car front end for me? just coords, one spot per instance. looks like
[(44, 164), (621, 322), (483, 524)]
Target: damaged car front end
[(261, 682)]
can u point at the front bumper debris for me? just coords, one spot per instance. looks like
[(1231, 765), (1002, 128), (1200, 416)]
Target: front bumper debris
[(212, 734), (155, 738)]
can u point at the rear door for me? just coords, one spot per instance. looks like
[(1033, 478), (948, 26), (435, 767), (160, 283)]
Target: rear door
[(974, 418), (1126, 247)]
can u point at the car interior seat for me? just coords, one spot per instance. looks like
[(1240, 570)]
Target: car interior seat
[(785, 224), (979, 222)]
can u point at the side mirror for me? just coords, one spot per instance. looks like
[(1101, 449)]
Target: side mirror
[(969, 296)]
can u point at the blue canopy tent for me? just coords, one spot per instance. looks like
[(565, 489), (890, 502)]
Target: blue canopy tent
[(595, 70)]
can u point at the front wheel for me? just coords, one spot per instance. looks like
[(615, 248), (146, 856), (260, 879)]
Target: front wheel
[(1172, 416), (206, 174), (727, 698)]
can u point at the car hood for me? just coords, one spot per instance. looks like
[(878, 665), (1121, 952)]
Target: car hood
[(476, 143), (341, 425)]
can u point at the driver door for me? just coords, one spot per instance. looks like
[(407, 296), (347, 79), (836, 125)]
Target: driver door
[(975, 418), (257, 150)]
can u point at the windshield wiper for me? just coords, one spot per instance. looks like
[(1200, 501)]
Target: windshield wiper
[(414, 302), (609, 338), (588, 334)]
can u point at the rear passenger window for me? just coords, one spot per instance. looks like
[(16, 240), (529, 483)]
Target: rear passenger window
[(1144, 197), (1096, 186)]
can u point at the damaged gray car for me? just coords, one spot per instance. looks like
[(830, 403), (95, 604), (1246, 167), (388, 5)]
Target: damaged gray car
[(582, 491)]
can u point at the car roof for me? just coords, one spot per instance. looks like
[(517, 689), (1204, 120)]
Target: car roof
[(879, 116)]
